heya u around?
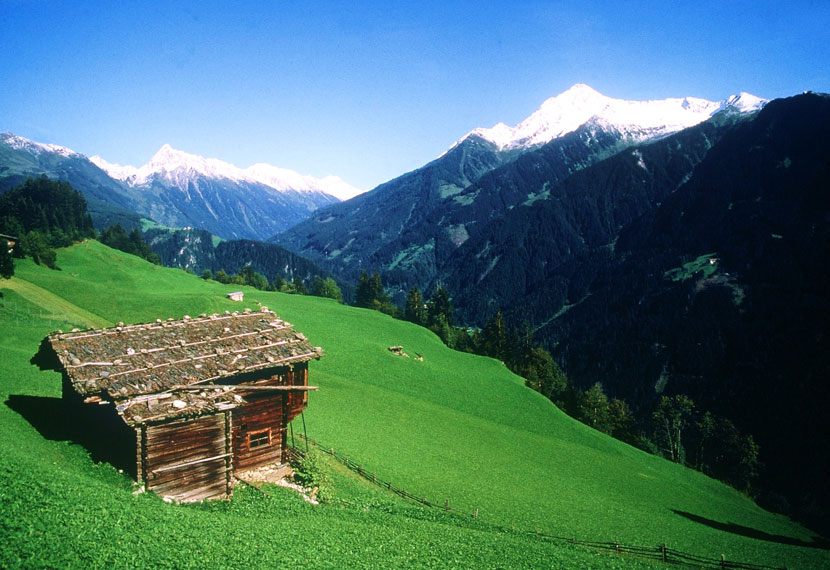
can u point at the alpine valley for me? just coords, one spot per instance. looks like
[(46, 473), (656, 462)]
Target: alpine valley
[(661, 248)]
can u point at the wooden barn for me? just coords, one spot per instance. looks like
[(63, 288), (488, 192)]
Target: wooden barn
[(184, 404)]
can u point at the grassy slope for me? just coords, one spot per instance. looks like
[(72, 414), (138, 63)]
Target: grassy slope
[(451, 427)]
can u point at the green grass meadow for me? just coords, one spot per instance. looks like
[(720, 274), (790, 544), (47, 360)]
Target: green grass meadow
[(452, 427)]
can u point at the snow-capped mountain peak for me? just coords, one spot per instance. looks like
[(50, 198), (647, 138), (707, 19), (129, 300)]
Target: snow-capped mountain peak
[(169, 160), (178, 167), (640, 120), (744, 102), (20, 143)]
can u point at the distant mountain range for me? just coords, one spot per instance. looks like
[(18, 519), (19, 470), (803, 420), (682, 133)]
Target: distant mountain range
[(177, 189)]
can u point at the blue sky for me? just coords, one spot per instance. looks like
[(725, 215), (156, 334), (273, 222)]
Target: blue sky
[(370, 90)]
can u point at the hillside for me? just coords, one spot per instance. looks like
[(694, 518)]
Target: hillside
[(577, 245), (453, 427)]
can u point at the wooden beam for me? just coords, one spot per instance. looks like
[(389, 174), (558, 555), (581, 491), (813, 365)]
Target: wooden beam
[(229, 387), (188, 463)]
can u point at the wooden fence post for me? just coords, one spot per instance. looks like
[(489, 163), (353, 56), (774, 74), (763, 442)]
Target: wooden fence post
[(475, 514), (722, 561), (663, 551), (446, 504)]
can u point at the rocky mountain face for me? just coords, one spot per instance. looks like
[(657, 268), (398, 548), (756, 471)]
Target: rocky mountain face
[(410, 228)]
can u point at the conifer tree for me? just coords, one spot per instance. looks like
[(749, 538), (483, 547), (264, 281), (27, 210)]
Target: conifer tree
[(439, 308), (593, 408), (415, 310)]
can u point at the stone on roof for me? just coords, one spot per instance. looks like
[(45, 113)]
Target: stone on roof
[(128, 364)]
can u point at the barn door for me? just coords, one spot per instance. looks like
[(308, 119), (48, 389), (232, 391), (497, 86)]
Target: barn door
[(189, 460)]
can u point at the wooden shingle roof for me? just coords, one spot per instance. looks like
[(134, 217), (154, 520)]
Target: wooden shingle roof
[(134, 361)]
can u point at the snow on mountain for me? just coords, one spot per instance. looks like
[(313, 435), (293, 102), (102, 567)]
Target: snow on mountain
[(640, 120), (20, 143), (116, 171), (285, 179), (745, 102), (177, 167)]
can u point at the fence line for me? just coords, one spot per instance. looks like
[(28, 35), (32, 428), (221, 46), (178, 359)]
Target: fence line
[(660, 553)]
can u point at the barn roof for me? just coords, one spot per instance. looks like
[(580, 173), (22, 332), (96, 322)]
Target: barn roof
[(144, 367)]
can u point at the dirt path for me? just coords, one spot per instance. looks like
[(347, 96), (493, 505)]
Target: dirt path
[(59, 307)]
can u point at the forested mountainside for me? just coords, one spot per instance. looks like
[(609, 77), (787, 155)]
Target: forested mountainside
[(107, 200), (409, 227), (564, 212), (197, 251), (721, 293), (348, 236)]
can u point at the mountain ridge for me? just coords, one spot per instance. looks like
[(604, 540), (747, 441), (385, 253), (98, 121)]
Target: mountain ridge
[(640, 120), (179, 166), (178, 190), (376, 230)]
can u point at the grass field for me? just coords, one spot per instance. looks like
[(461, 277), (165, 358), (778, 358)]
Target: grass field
[(451, 427)]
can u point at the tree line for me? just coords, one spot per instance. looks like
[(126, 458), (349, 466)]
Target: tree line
[(117, 237), (42, 214), (320, 286), (39, 216)]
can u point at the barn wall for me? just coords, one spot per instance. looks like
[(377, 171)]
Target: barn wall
[(260, 418), (189, 460)]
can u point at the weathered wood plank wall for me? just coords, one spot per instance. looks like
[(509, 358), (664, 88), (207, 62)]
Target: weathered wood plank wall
[(186, 460), (262, 413)]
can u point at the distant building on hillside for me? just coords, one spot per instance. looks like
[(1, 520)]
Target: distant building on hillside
[(236, 296), (8, 241), (184, 405)]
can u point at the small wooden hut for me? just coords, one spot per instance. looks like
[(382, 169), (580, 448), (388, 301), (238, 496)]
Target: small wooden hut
[(189, 401)]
